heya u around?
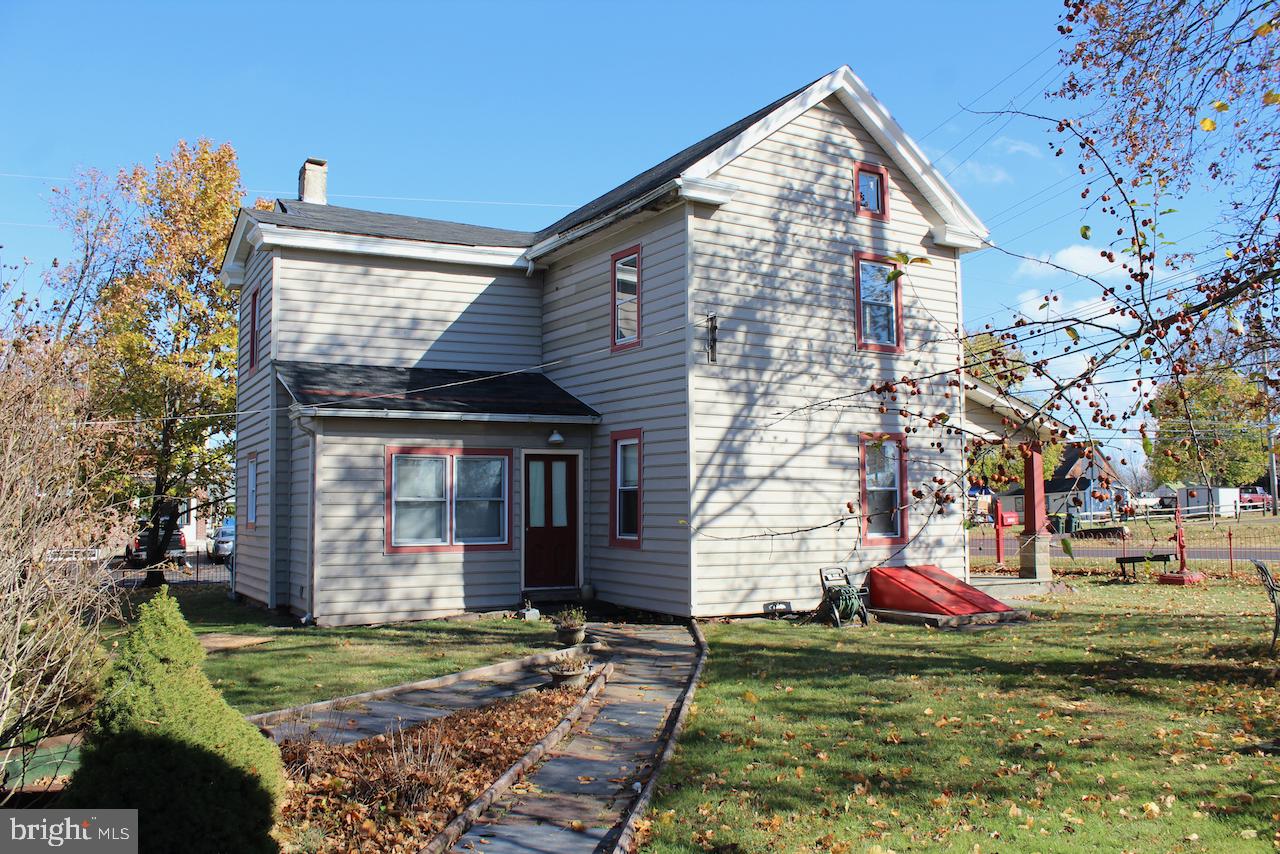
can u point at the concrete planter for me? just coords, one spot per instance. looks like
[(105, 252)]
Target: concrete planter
[(570, 635)]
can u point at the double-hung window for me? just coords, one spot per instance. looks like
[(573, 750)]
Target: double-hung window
[(253, 331), (625, 277), (624, 515), (871, 186), (884, 493), (447, 499), (878, 302)]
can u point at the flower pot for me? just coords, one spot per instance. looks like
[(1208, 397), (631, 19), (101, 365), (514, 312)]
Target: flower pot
[(570, 635), (568, 680)]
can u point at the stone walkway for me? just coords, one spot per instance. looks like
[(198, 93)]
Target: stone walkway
[(592, 776)]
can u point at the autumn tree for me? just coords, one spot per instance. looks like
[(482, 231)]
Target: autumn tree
[(1209, 429), (163, 328)]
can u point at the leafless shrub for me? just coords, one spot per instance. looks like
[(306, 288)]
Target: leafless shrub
[(54, 535)]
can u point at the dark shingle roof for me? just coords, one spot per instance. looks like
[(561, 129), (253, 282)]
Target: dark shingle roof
[(296, 214), (427, 390)]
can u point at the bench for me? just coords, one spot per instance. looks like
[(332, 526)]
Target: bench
[(1273, 592), (1129, 565)]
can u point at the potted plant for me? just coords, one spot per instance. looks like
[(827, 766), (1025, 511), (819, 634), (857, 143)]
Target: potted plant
[(569, 671), (571, 626)]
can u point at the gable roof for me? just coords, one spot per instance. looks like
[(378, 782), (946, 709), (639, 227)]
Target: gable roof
[(1075, 464), (344, 389), (960, 226)]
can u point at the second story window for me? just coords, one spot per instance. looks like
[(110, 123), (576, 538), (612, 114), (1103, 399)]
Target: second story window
[(878, 302), (871, 189), (253, 331), (625, 275)]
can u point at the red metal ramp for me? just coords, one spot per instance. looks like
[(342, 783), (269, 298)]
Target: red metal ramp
[(927, 589)]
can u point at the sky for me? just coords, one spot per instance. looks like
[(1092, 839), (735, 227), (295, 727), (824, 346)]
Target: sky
[(511, 114)]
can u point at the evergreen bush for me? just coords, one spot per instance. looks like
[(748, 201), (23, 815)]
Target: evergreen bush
[(165, 742)]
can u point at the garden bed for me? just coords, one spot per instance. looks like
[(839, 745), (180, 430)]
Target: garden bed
[(395, 792)]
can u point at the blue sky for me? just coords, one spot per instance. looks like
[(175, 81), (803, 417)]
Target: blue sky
[(537, 105)]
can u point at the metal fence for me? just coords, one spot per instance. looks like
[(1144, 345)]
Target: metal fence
[(196, 569)]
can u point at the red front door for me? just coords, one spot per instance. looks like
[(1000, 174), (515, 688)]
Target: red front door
[(550, 520)]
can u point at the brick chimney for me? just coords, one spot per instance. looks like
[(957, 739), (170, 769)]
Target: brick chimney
[(313, 179)]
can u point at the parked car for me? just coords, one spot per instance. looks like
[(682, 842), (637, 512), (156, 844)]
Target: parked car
[(135, 553), (220, 546), (1254, 496)]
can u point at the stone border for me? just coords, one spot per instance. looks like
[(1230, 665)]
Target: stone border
[(502, 667), (462, 822), (675, 724)]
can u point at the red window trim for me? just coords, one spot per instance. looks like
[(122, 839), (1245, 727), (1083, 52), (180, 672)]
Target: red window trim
[(900, 439), (614, 438), (876, 346), (858, 169), (253, 331), (614, 345), (451, 453)]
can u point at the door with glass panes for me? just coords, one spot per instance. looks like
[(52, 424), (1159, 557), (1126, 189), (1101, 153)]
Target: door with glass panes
[(550, 520)]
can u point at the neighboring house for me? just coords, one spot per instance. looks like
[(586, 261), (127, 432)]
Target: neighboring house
[(1083, 484), (437, 416)]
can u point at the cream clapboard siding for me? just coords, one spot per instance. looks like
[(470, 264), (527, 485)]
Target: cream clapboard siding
[(253, 432), (644, 388), (776, 265), (356, 582), (390, 311)]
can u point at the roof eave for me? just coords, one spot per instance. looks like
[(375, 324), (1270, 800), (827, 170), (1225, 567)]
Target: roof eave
[(506, 257), (499, 417)]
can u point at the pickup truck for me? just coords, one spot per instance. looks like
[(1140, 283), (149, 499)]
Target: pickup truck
[(135, 552), (1255, 496)]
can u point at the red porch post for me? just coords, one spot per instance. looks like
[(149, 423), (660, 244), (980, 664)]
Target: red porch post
[(1033, 545)]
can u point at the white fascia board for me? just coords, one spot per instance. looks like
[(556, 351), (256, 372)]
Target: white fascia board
[(983, 395), (554, 242), (244, 240), (707, 191), (325, 412), (389, 247), (962, 225)]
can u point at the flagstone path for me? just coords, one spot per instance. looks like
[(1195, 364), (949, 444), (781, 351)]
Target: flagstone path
[(576, 799)]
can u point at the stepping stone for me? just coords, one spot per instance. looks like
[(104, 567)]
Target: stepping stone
[(222, 641), (524, 837), (560, 809), (574, 776)]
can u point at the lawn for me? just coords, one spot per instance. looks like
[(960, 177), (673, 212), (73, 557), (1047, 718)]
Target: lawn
[(1112, 721), (302, 665)]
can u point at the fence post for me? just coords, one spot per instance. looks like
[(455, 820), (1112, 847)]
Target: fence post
[(1231, 556), (999, 535)]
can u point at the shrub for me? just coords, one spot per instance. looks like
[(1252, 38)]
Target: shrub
[(165, 742), (572, 617)]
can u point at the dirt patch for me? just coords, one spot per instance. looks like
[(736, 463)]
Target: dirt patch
[(395, 792), (221, 642)]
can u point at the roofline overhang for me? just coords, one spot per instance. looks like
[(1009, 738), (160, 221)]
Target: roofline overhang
[(500, 417), (249, 235), (961, 228), (1009, 406)]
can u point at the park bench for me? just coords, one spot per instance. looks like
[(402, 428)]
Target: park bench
[(1129, 564), (844, 597), (1273, 593)]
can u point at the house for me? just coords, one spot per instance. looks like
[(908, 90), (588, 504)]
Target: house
[(1084, 484), (660, 399)]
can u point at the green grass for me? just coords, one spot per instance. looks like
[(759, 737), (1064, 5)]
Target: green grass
[(1109, 723), (303, 665)]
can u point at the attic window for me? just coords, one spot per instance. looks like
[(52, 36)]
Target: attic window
[(870, 185), (625, 274)]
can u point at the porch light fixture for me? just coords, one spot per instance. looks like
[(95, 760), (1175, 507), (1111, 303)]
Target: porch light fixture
[(555, 439)]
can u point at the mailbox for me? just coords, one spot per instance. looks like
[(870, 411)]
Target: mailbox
[(1008, 518)]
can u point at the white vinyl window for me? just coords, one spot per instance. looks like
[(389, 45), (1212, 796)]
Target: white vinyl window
[(882, 473), (878, 302), (419, 507), (628, 487), (251, 491), (626, 298), (448, 498), (480, 499)]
